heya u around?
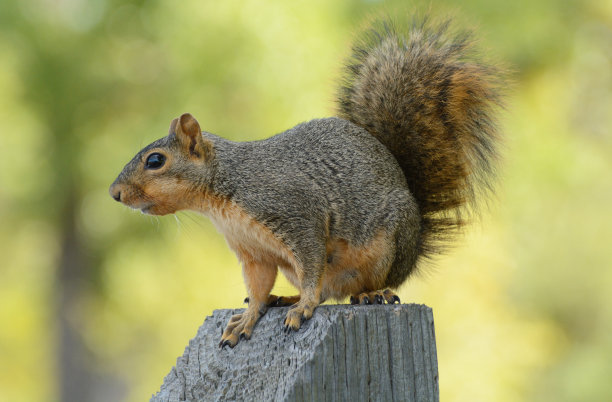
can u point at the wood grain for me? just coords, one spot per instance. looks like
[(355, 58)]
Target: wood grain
[(356, 353)]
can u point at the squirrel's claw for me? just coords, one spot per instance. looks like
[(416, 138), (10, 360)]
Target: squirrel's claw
[(376, 297), (297, 315), (239, 327), (391, 297)]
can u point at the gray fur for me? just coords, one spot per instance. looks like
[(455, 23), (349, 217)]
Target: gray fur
[(325, 170)]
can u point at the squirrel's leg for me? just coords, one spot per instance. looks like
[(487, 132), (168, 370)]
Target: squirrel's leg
[(259, 280), (310, 297)]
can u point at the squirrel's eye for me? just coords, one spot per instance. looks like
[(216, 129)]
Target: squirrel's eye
[(155, 161)]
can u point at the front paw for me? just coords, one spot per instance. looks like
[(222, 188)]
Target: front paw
[(297, 315), (240, 326)]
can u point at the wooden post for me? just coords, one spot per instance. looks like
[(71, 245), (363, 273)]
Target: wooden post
[(344, 353)]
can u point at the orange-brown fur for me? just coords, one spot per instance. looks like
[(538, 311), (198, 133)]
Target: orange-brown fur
[(250, 240), (169, 194), (354, 269)]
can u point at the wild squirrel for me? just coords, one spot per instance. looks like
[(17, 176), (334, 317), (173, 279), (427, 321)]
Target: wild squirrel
[(348, 205)]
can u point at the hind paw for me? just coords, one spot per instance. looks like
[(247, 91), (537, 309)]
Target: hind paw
[(279, 301), (376, 297)]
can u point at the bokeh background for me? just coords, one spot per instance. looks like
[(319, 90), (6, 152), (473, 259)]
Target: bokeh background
[(97, 301)]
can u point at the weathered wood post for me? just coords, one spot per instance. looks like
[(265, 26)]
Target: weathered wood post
[(344, 353)]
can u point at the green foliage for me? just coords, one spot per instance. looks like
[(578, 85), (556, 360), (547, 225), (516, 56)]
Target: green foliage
[(522, 306)]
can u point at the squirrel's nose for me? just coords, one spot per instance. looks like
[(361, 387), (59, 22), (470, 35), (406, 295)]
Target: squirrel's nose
[(115, 192)]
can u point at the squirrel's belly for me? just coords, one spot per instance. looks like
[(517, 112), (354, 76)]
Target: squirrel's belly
[(350, 269)]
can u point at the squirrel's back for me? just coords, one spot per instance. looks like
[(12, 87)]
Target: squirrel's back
[(329, 167), (427, 98)]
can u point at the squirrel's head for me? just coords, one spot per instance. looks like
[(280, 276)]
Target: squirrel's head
[(169, 174)]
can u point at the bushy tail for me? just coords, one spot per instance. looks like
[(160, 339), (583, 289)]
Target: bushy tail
[(424, 95)]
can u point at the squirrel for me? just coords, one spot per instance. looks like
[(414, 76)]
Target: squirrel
[(348, 205)]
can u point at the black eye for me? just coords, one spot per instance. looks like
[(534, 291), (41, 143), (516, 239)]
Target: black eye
[(155, 161)]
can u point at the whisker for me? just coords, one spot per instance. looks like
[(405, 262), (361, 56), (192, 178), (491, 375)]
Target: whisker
[(184, 225), (195, 219)]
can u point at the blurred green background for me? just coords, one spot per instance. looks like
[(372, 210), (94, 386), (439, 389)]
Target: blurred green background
[(97, 301)]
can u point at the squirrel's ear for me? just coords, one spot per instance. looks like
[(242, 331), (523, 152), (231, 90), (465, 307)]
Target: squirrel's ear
[(172, 129), (189, 134)]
